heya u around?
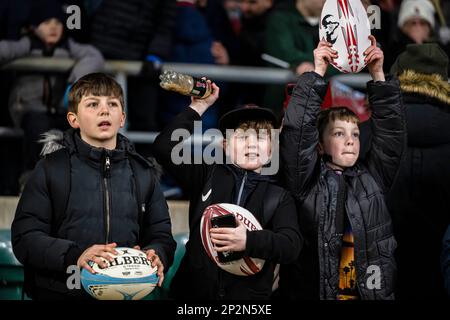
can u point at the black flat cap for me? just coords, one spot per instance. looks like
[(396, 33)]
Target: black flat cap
[(232, 119)]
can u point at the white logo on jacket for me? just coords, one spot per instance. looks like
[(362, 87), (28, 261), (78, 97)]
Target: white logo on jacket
[(206, 196)]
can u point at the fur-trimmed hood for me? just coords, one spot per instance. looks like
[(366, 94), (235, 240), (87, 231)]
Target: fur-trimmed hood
[(427, 107), (52, 141), (432, 86)]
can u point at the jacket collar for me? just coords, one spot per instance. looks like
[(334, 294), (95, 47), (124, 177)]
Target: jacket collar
[(353, 171), (239, 173), (73, 142), (97, 154)]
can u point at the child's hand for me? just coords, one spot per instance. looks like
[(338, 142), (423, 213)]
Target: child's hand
[(374, 57), (323, 55), (95, 254), (230, 239), (201, 105), (156, 262)]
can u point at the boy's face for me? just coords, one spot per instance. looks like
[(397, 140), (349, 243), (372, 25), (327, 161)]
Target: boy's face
[(341, 142), (99, 119), (50, 31), (417, 29), (249, 150)]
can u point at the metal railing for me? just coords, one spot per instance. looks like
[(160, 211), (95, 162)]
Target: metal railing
[(132, 68), (121, 69)]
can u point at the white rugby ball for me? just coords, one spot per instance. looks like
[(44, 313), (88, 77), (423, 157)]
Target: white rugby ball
[(129, 277), (344, 23), (245, 266)]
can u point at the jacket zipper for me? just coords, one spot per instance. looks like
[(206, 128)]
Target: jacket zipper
[(105, 182), (241, 189)]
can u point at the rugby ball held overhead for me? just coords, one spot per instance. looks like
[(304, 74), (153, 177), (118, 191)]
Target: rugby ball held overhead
[(344, 24)]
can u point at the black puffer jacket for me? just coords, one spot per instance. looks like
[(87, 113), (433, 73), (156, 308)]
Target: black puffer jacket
[(419, 200), (279, 242), (47, 253), (316, 274)]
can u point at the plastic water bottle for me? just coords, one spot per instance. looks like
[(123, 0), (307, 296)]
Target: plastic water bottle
[(185, 84)]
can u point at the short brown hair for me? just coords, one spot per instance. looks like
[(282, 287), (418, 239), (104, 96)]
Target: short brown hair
[(332, 114), (256, 125), (97, 84)]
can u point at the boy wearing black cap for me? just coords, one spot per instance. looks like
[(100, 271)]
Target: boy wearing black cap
[(242, 182), (36, 100)]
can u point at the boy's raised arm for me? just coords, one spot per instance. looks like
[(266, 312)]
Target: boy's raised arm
[(388, 131), (299, 136), (168, 142), (387, 120)]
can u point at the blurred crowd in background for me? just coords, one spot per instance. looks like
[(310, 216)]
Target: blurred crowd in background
[(221, 32)]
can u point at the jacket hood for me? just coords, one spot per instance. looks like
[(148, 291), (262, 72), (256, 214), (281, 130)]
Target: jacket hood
[(432, 86), (54, 140)]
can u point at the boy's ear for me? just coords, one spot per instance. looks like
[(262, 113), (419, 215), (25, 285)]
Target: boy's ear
[(73, 120), (320, 148), (122, 120), (224, 144)]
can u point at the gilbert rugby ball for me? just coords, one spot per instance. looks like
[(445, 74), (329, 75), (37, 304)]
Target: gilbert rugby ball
[(129, 277)]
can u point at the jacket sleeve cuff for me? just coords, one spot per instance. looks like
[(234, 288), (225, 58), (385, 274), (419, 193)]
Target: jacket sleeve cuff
[(251, 243), (390, 80), (384, 92), (192, 114), (316, 82)]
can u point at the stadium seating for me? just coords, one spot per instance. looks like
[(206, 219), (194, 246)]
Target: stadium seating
[(11, 271)]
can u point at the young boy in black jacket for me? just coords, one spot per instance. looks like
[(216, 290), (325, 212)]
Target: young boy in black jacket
[(239, 182), (349, 242), (113, 198)]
